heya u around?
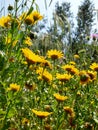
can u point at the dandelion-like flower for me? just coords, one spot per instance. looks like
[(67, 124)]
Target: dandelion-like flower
[(69, 111), (5, 21), (30, 56), (76, 56), (92, 75), (32, 18), (72, 63), (36, 16), (71, 69), (44, 74), (94, 66), (29, 19), (54, 54), (63, 77), (25, 121), (14, 87), (46, 63), (10, 40), (47, 76), (41, 114), (60, 97), (29, 86), (28, 41), (84, 77)]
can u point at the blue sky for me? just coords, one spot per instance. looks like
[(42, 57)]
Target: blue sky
[(48, 12), (74, 5)]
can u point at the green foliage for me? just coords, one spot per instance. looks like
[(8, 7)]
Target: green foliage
[(85, 18)]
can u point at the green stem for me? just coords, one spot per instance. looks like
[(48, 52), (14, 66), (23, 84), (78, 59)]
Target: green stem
[(5, 118)]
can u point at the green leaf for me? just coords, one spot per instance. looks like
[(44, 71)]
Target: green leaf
[(82, 51), (2, 112), (50, 2), (12, 112), (45, 4), (30, 10)]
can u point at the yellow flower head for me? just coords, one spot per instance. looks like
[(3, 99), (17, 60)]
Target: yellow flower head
[(46, 76), (54, 54), (5, 21), (76, 56), (29, 86), (72, 63), (67, 67), (46, 63), (41, 114), (92, 75), (84, 77), (10, 40), (32, 18), (29, 19), (63, 77), (14, 87), (71, 69), (25, 121), (59, 97), (28, 41), (30, 56), (36, 16), (94, 66), (39, 70), (70, 111), (79, 93)]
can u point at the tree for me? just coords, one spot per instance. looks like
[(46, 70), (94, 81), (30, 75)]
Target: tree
[(62, 25), (85, 18)]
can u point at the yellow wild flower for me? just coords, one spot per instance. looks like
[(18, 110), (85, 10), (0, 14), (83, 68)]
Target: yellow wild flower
[(14, 87), (5, 21), (32, 18), (71, 69), (46, 76), (69, 111), (92, 75), (28, 41), (94, 66), (40, 70), (84, 77), (29, 20), (54, 54), (76, 56), (41, 114), (30, 56), (36, 16), (25, 121), (60, 97), (30, 87), (63, 77), (45, 63), (9, 40), (72, 63)]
